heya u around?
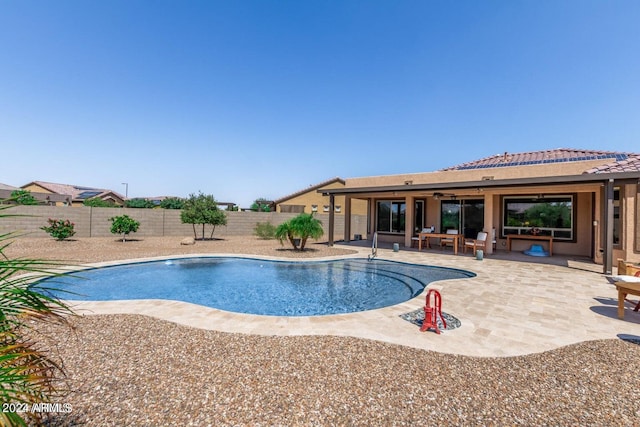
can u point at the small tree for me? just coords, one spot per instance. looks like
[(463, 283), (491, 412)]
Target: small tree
[(60, 229), (261, 205), (202, 209), (23, 197), (172, 203), (302, 227), (124, 225)]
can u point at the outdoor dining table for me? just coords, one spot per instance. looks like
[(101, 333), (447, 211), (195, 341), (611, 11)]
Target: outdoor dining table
[(428, 236), (626, 288)]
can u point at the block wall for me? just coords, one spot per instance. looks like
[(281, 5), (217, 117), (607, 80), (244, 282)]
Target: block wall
[(94, 222)]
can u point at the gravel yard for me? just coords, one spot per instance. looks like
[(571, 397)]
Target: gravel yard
[(136, 370)]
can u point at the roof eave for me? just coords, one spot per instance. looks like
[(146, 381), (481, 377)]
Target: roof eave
[(512, 182)]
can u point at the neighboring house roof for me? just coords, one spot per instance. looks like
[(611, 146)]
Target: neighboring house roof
[(559, 155), (77, 193), (630, 164), (310, 188), (8, 187)]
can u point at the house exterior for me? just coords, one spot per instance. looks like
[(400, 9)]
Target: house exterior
[(73, 195), (314, 199), (43, 198), (586, 200)]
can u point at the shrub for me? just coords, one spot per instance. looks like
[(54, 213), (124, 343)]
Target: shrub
[(172, 203), (97, 202), (60, 229), (265, 230), (124, 225), (139, 203)]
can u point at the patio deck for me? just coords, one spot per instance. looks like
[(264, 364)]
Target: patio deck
[(515, 305)]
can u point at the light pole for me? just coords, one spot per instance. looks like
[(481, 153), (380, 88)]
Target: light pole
[(126, 190)]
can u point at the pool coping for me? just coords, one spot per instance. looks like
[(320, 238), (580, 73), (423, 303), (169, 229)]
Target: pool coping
[(478, 335)]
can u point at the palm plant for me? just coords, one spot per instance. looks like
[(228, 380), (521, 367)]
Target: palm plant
[(301, 227), (285, 231), (27, 374)]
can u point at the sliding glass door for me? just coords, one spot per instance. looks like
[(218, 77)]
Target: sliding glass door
[(466, 216)]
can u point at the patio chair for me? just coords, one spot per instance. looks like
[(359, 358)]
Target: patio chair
[(446, 241), (480, 242), (415, 239), (494, 241)]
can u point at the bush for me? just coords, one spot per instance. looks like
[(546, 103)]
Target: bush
[(60, 229), (124, 225), (172, 203), (139, 203), (265, 230), (97, 202)]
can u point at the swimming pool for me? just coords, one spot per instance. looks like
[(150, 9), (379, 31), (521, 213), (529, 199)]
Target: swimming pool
[(279, 288)]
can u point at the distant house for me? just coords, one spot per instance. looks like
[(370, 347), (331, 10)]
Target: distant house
[(74, 195), (312, 199), (44, 198), (6, 190), (587, 202)]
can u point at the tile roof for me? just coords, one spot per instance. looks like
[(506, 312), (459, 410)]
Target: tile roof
[(75, 191), (310, 188), (559, 155), (7, 187), (630, 164)]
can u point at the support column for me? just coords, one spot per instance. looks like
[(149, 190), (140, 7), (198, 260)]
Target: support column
[(371, 229), (409, 219), (347, 219), (608, 227), (332, 203), (488, 221)]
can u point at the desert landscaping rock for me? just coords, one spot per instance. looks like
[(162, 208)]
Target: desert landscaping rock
[(188, 241), (136, 370)]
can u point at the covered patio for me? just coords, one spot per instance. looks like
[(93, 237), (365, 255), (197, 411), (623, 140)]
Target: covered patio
[(587, 208)]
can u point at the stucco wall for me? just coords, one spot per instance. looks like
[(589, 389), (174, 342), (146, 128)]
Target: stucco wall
[(313, 197), (94, 222)]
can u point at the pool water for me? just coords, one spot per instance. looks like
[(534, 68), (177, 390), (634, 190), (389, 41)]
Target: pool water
[(258, 286)]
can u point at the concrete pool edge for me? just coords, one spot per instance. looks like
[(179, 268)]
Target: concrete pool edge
[(477, 336)]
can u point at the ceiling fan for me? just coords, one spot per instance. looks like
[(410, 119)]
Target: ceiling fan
[(438, 195)]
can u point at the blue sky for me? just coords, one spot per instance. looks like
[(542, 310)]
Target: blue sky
[(248, 99)]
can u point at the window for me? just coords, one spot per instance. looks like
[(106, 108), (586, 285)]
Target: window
[(292, 208), (314, 208), (325, 208), (391, 216), (549, 215)]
